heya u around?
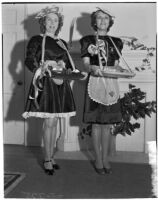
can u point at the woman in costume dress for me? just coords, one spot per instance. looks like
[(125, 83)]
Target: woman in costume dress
[(49, 98), (102, 107)]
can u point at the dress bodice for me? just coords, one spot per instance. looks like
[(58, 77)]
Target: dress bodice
[(109, 48), (52, 52)]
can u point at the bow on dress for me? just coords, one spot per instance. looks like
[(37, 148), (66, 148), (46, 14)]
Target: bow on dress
[(98, 49)]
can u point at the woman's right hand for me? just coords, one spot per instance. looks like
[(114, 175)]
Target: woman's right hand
[(96, 70), (48, 66), (52, 65)]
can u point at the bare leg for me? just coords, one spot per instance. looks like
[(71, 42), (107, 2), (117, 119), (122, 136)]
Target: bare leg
[(53, 136), (96, 138), (105, 135), (49, 136)]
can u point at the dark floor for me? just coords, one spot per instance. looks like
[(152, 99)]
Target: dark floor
[(36, 152), (37, 184)]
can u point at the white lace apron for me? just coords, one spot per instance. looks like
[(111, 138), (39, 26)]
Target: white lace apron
[(103, 90)]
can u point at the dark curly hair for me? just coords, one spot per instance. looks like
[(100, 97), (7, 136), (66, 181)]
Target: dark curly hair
[(42, 23), (93, 20)]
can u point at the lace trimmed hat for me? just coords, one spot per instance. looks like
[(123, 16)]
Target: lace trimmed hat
[(105, 11), (45, 11)]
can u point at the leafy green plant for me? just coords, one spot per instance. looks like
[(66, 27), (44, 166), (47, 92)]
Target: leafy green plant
[(132, 107)]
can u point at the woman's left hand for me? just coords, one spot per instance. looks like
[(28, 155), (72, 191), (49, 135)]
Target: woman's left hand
[(120, 68)]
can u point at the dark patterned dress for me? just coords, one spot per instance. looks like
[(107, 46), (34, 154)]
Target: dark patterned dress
[(95, 112), (53, 100)]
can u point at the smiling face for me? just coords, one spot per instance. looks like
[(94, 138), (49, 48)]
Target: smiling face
[(51, 23), (102, 21)]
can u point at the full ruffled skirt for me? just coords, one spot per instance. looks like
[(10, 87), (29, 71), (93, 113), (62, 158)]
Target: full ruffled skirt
[(53, 100), (97, 113)]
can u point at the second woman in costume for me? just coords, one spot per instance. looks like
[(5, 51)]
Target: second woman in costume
[(102, 106)]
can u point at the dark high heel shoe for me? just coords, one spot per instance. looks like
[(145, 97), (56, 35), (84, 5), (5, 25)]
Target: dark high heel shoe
[(48, 169), (55, 165), (108, 170), (100, 171)]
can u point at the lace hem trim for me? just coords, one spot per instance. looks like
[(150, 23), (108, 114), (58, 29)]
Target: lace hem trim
[(47, 115)]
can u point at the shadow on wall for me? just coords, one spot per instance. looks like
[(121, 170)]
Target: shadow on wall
[(23, 79), (83, 26)]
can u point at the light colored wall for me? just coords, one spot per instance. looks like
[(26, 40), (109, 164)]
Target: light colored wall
[(131, 19)]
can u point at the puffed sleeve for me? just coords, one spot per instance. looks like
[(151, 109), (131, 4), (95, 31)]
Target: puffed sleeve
[(84, 42), (30, 60), (119, 44)]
